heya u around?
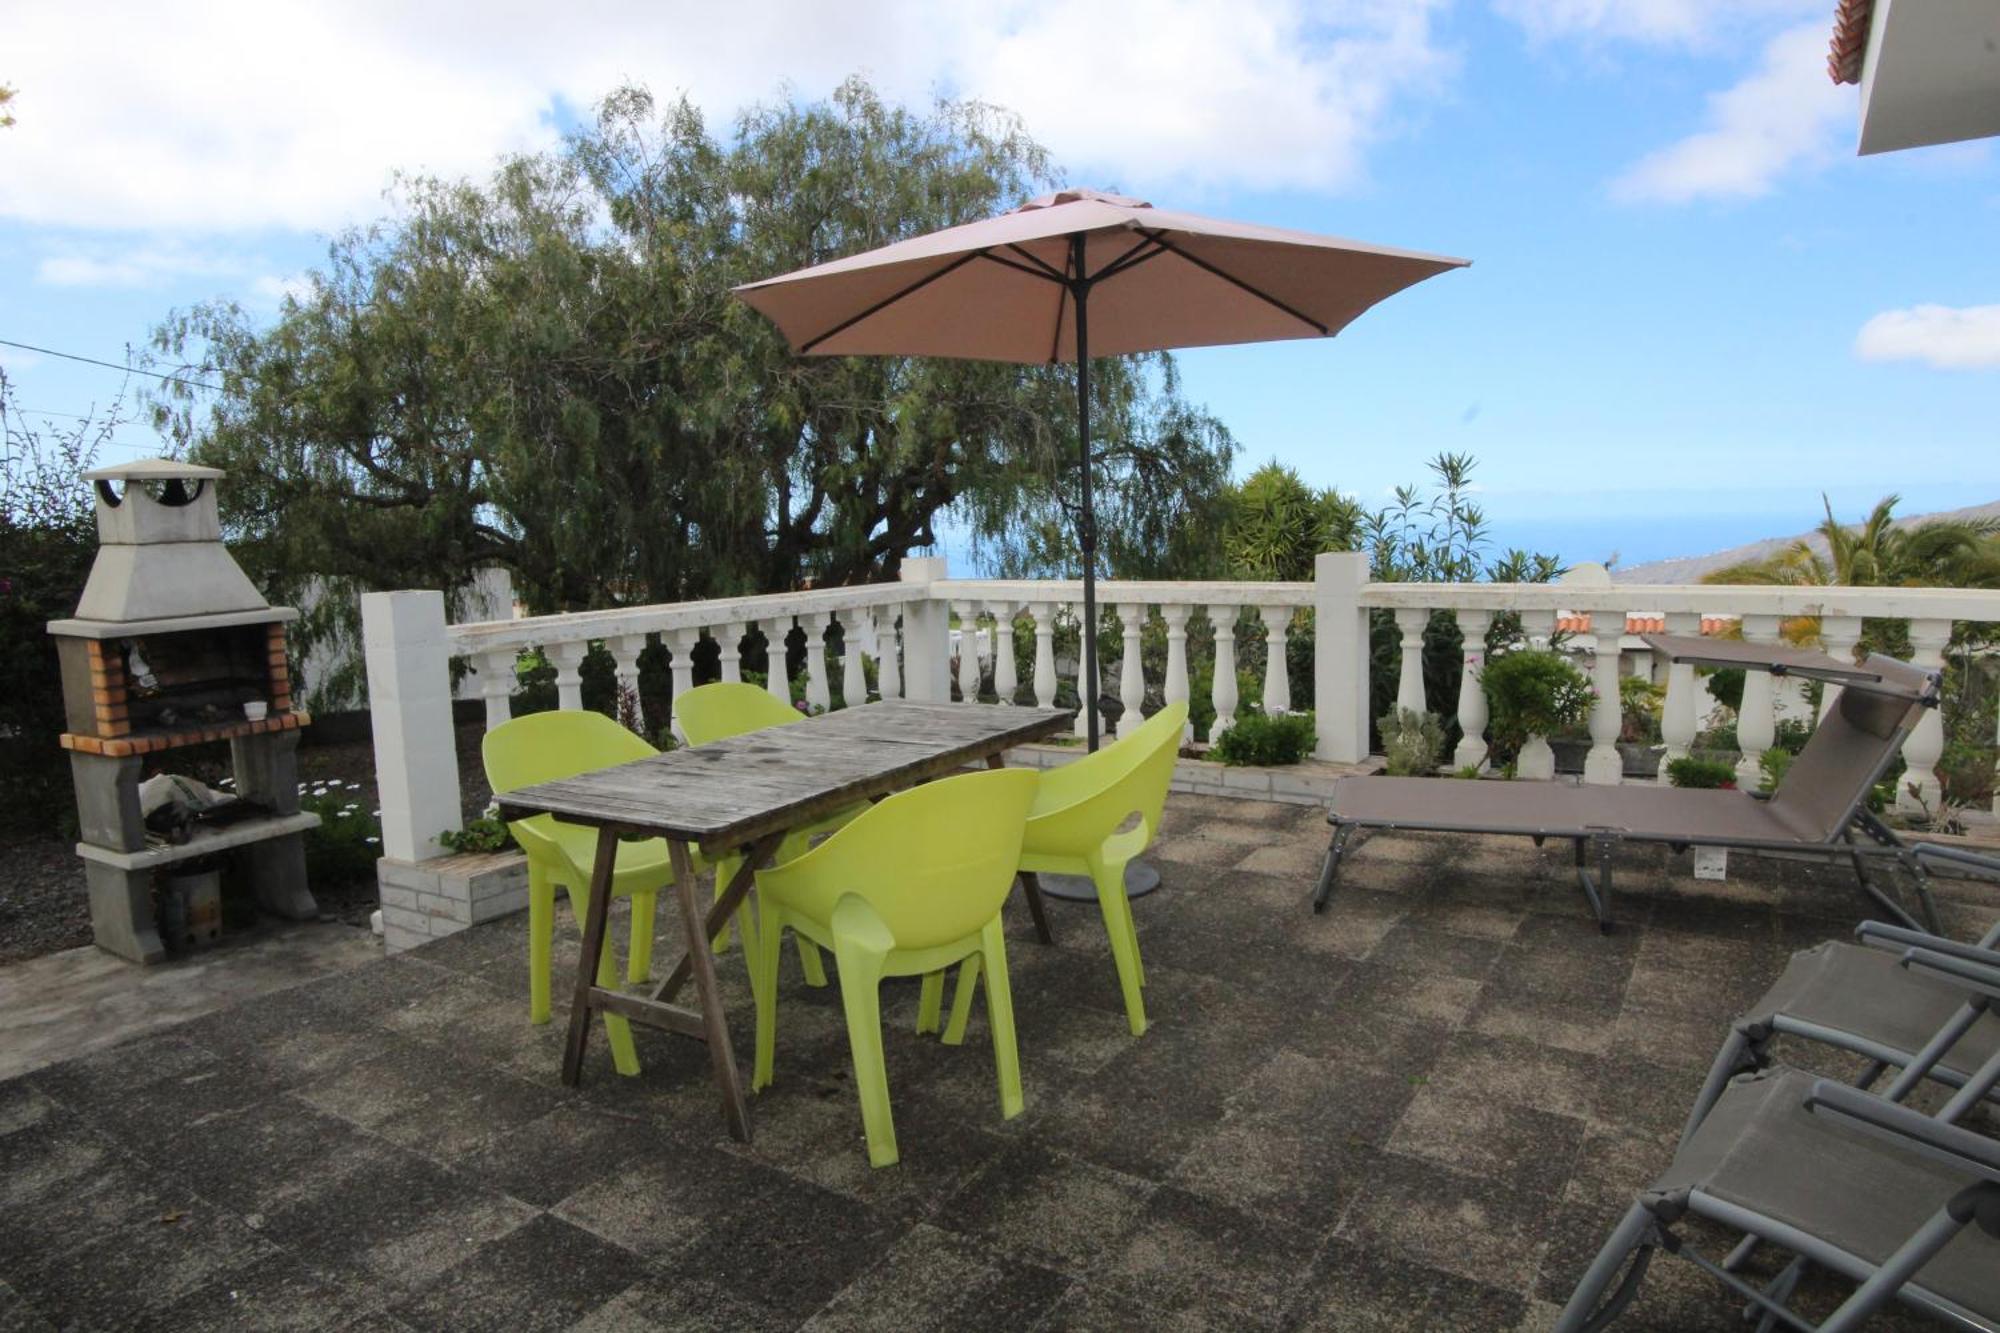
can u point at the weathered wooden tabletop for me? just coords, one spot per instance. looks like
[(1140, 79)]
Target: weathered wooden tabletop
[(745, 793)]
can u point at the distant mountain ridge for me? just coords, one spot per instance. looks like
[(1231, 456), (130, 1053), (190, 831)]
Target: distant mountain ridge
[(1691, 568)]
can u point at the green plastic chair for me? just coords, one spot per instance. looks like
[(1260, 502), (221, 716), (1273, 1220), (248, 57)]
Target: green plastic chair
[(715, 712), (912, 886), (1075, 829), (544, 747)]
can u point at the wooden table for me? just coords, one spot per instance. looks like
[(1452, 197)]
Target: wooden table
[(745, 794)]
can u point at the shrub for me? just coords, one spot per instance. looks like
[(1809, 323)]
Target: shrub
[(488, 833), (1773, 764), (1791, 734), (1533, 692), (1412, 742), (1266, 740), (1688, 771), (1639, 704), (345, 846)]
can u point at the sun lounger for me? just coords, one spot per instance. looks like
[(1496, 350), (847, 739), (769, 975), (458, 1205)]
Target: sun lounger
[(1821, 805), (1905, 1205)]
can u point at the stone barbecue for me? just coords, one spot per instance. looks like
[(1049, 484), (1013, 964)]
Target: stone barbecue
[(173, 646)]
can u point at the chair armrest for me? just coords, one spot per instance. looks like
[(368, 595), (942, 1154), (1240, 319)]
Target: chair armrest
[(1958, 1148), (1885, 936), (1971, 976)]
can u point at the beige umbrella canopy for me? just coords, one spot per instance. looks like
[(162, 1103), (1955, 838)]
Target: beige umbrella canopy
[(1077, 274)]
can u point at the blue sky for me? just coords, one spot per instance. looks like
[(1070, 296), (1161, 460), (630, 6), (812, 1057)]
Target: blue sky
[(1691, 307)]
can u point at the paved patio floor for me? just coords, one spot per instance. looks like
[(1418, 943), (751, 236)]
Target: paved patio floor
[(1421, 1110)]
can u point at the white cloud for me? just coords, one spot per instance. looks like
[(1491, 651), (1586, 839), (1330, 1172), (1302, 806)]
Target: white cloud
[(242, 114), (115, 265), (274, 290), (1654, 22), (1781, 117), (1947, 337)]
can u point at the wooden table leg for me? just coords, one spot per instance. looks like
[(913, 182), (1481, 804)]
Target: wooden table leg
[(755, 858), (594, 923), (1031, 887), (722, 1057)]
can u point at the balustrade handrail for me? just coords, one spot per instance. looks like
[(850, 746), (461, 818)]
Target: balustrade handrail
[(1716, 599), (487, 636), (1132, 592)]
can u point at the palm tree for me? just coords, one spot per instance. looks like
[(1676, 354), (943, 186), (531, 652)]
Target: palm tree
[(1958, 553)]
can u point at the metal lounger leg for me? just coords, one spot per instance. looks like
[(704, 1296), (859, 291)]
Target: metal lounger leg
[(1743, 1051), (1870, 890), (1596, 886), (1934, 1050), (1330, 872), (1899, 1267), (1631, 1238)]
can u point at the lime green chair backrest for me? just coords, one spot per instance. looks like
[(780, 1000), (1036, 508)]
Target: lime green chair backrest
[(1083, 802), (935, 862), (724, 709), (544, 747)]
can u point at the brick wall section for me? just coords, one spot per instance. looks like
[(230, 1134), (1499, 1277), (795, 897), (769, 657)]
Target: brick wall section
[(427, 900)]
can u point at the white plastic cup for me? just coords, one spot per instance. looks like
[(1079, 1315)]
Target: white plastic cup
[(255, 710)]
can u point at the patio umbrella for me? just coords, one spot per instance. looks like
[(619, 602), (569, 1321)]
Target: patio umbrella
[(1081, 273)]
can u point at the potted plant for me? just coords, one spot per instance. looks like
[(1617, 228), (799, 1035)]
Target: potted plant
[(1530, 694)]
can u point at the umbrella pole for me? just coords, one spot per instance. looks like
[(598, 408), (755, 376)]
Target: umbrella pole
[(1087, 683)]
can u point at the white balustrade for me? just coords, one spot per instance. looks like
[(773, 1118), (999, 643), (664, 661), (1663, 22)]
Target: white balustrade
[(1918, 791), (1536, 759), (568, 659), (777, 677), (496, 686), (1044, 616), (1603, 765), (729, 640), (1005, 680), (1680, 712), (1840, 636), (625, 650), (853, 675), (1757, 718), (1131, 666), (1175, 691), (1277, 675), (1410, 624), (888, 657), (819, 697), (968, 651), (681, 648), (1471, 751), (1223, 691), (1085, 690)]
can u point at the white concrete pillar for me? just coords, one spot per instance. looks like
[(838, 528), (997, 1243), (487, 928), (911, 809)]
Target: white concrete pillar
[(926, 633), (1277, 672), (496, 685), (853, 675), (1222, 691), (1604, 766), (1680, 712), (1006, 680), (1471, 751), (1925, 743), (1410, 625), (729, 641), (1044, 614), (681, 644), (1840, 635), (1132, 666), (1340, 656), (1756, 720), (409, 701), (568, 659), (777, 680), (1175, 688), (818, 696)]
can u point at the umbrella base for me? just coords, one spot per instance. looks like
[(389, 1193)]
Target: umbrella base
[(1140, 880)]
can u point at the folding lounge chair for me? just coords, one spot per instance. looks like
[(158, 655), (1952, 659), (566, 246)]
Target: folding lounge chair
[(1905, 1205), (1909, 1002), (1819, 807)]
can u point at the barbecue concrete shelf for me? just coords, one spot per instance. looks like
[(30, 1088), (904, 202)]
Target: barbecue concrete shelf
[(152, 742), (205, 842)]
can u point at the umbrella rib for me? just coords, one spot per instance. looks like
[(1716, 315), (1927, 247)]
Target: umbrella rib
[(890, 300), (1235, 281), (1119, 264), (1036, 273), (1047, 269)]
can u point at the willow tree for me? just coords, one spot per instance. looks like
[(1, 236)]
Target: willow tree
[(545, 371)]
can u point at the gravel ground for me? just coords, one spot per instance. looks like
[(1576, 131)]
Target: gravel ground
[(43, 905)]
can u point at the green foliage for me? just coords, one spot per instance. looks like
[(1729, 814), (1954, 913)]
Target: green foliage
[(1772, 766), (7, 95), (1277, 525), (1725, 684), (1639, 705), (546, 371), (1689, 771), (48, 538), (1266, 740), (348, 841), (1413, 742), (1533, 692), (488, 833)]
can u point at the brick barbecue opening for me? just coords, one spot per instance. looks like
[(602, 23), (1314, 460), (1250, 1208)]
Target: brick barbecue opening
[(173, 646)]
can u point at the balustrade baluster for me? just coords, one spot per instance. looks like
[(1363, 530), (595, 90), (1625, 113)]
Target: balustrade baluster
[(777, 678), (625, 650), (1005, 679), (680, 663), (1839, 635), (1756, 720), (729, 640), (1223, 690), (1680, 712), (968, 651), (1604, 766), (568, 658), (1918, 791), (1277, 671), (888, 655), (1044, 615), (853, 675), (1536, 759), (1471, 751), (496, 686), (1084, 690), (819, 697), (1175, 689), (1131, 667), (1410, 624)]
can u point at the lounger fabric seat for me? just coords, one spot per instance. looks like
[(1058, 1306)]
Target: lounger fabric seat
[(1760, 1149), (1854, 989)]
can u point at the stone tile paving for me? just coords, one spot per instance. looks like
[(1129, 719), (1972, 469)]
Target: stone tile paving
[(1423, 1109)]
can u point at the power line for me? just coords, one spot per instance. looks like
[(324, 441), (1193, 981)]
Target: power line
[(111, 365)]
